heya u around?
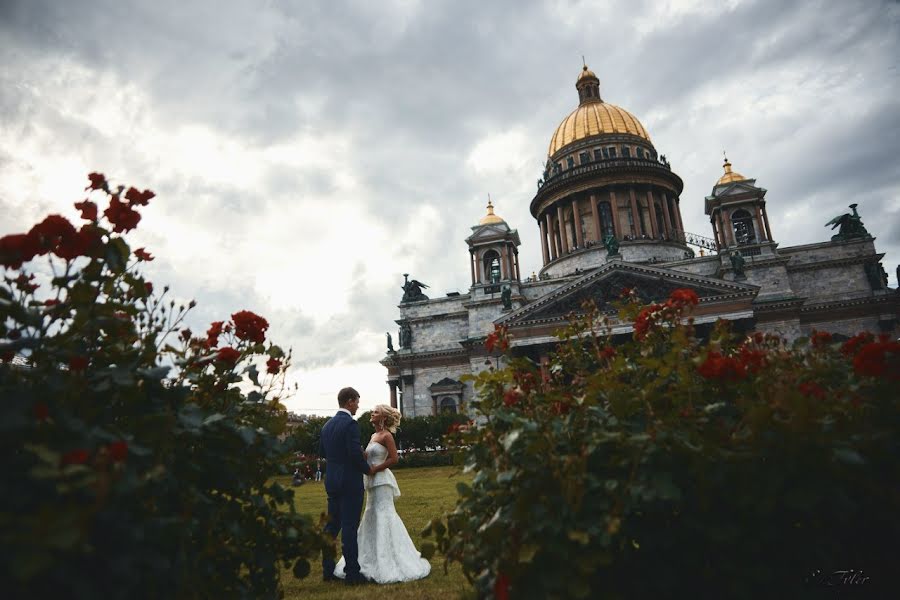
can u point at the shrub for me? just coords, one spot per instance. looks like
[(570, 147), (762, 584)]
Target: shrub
[(134, 465), (734, 468), (432, 458)]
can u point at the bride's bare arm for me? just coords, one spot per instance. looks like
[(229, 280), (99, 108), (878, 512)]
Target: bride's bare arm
[(391, 460)]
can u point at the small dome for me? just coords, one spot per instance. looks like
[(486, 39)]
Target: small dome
[(585, 73), (490, 218), (729, 176)]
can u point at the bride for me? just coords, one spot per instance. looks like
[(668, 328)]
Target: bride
[(386, 552)]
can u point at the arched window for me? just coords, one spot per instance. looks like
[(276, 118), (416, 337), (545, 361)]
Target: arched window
[(606, 220), (491, 262), (570, 162), (448, 405), (743, 227)]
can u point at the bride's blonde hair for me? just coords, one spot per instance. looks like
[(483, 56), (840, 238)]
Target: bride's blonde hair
[(391, 416)]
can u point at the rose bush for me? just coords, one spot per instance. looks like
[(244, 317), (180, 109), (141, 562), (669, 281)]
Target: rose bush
[(137, 458), (668, 466)]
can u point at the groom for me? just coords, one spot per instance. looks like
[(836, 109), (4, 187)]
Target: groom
[(340, 446)]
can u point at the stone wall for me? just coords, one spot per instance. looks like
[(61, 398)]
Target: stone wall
[(422, 403)]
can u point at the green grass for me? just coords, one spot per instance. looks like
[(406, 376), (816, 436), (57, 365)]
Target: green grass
[(426, 493)]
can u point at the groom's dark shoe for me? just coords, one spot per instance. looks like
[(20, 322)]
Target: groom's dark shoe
[(330, 578), (358, 580)]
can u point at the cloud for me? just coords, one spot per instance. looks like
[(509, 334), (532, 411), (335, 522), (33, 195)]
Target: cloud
[(305, 155)]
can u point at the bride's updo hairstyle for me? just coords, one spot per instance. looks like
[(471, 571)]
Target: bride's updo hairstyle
[(391, 416)]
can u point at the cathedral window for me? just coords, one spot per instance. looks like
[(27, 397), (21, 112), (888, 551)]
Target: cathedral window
[(448, 405), (606, 219), (597, 155), (640, 152), (570, 162), (626, 152), (660, 220), (612, 151), (743, 227), (583, 158), (492, 266)]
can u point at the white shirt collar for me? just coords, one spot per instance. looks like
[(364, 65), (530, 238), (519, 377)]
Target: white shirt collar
[(346, 411)]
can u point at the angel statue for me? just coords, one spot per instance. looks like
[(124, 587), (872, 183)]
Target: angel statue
[(412, 290), (850, 226)]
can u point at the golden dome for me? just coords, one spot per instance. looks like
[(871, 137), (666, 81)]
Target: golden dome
[(729, 176), (490, 218), (585, 73), (595, 118)]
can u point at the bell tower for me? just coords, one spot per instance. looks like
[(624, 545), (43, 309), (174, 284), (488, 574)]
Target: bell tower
[(737, 213), (493, 254)]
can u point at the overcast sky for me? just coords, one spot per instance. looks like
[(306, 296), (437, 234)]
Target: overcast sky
[(306, 154)]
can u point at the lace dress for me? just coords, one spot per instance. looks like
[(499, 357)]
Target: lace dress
[(386, 552)]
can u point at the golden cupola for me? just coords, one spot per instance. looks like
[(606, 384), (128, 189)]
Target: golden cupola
[(490, 218), (729, 176), (593, 117)]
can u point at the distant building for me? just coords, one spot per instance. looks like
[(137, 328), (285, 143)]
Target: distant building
[(608, 210)]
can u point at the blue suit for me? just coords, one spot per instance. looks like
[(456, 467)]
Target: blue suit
[(340, 446)]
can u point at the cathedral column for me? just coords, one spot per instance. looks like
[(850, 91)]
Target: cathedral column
[(652, 206), (729, 229), (477, 268), (595, 214), (760, 227), (576, 224), (766, 220), (635, 214), (678, 214), (504, 257), (667, 216), (715, 229), (544, 250), (554, 249), (563, 235), (516, 261), (393, 385), (472, 264), (614, 207)]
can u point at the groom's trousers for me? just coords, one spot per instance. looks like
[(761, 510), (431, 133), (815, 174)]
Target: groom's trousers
[(343, 516)]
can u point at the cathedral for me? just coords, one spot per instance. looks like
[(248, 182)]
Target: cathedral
[(608, 210)]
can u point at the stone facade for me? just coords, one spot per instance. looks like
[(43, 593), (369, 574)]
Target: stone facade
[(590, 194)]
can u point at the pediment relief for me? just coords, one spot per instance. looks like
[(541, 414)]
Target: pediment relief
[(739, 187), (608, 283), (446, 384), (487, 232)]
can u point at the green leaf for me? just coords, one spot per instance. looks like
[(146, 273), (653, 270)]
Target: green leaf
[(214, 418), (117, 253), (527, 552), (510, 438), (579, 536), (849, 456), (253, 374)]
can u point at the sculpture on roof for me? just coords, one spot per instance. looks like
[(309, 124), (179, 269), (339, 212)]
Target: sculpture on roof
[(612, 245), (737, 263), (412, 290), (390, 342), (851, 226), (506, 297)]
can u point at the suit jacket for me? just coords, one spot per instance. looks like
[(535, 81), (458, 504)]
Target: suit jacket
[(340, 446)]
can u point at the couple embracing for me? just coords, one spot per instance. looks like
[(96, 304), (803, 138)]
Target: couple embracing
[(377, 549)]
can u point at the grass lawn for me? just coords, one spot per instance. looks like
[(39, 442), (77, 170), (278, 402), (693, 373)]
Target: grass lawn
[(426, 493)]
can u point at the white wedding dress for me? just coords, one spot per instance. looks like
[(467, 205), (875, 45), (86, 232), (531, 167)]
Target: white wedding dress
[(386, 552)]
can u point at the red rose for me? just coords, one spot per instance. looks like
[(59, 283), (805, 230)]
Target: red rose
[(820, 339), (134, 196), (7, 356), (78, 363), (88, 210), (185, 334), (726, 368), (273, 365), (142, 254), (644, 321), (213, 333), (249, 326), (148, 285), (41, 412), (512, 397), (850, 347), (683, 297), (758, 337), (118, 451), (18, 248), (228, 355), (51, 302), (23, 282), (878, 359), (14, 334), (121, 216), (98, 181), (754, 360), (75, 457), (53, 231), (608, 352), (491, 341), (78, 244)]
